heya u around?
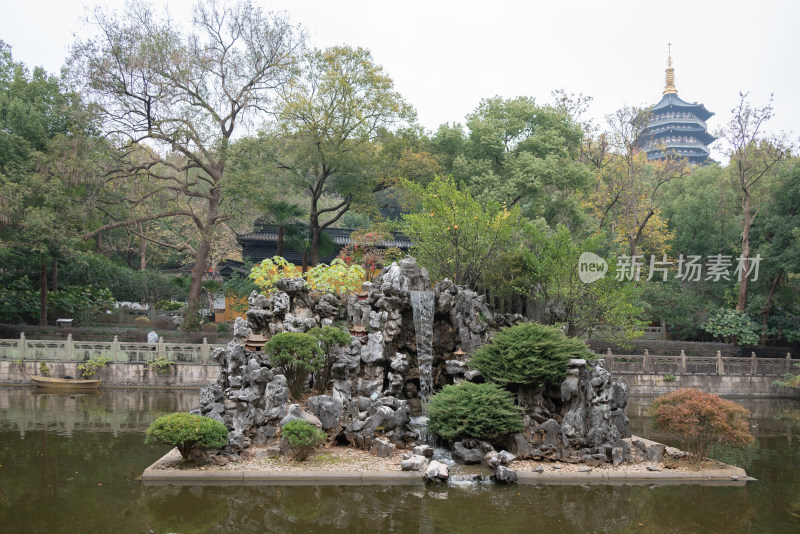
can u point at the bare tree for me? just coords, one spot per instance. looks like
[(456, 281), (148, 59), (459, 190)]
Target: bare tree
[(185, 96)]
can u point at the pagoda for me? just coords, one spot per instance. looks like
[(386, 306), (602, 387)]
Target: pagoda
[(676, 128)]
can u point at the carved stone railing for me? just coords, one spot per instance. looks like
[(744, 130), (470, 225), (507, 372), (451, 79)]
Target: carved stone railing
[(121, 352), (718, 365)]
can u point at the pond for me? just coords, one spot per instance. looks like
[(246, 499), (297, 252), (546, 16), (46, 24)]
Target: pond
[(69, 463)]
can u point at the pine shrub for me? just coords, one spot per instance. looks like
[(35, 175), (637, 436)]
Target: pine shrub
[(329, 338), (187, 432), (295, 355), (468, 410), (302, 438), (528, 353)]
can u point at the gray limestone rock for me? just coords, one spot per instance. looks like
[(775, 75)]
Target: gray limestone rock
[(382, 448), (655, 452), (240, 328), (436, 472), (505, 475), (423, 450), (501, 458), (414, 463), (473, 375), (291, 285), (461, 454), (373, 349), (328, 409), (295, 412)]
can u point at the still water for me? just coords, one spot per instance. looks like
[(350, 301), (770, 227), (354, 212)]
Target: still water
[(69, 464)]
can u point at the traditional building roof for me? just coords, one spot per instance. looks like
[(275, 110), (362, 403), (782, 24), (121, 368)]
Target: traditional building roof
[(677, 127), (260, 245)]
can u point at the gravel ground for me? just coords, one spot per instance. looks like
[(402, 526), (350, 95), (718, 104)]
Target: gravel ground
[(339, 459)]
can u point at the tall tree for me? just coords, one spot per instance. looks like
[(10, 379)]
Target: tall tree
[(519, 153), (628, 196), (48, 174), (186, 95), (327, 123), (283, 215), (754, 156)]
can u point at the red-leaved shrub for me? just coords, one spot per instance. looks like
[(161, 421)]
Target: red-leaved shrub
[(701, 419)]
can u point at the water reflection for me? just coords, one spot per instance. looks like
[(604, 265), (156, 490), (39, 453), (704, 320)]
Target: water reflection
[(70, 463)]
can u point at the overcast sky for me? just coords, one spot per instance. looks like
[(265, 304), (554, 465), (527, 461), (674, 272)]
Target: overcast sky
[(445, 56)]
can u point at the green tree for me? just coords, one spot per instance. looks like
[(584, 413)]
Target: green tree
[(454, 235), (330, 339), (519, 153), (543, 268), (295, 355), (754, 158), (327, 122), (187, 95), (48, 170), (283, 215)]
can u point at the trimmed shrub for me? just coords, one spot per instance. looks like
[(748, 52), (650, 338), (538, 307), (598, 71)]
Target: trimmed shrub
[(142, 322), (701, 419), (187, 432), (528, 353), (467, 410), (329, 337), (302, 438), (295, 355)]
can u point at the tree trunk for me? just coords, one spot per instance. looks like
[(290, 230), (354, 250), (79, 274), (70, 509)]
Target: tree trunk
[(196, 286), (280, 241), (142, 250), (315, 233), (43, 293), (773, 288), (55, 275), (747, 222)]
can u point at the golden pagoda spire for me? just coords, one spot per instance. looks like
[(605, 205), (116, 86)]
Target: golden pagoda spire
[(670, 88)]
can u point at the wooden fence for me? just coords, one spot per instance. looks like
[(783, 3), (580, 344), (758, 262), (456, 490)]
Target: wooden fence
[(717, 365), (23, 349)]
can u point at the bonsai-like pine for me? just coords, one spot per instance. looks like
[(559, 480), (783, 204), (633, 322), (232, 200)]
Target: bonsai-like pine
[(187, 432), (528, 353), (701, 419), (467, 410), (302, 437), (295, 355), (329, 338)]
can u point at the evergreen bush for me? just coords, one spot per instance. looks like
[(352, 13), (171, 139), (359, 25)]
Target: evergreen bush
[(302, 437), (187, 432), (295, 355), (468, 410), (329, 337), (528, 353)]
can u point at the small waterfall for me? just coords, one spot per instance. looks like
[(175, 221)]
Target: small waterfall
[(422, 304)]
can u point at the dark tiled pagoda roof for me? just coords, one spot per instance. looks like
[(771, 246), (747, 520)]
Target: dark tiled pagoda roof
[(264, 244), (676, 127)]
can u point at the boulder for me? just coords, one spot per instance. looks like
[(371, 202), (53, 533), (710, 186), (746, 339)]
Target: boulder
[(382, 447), (505, 475), (295, 413), (436, 472), (463, 455), (414, 463), (328, 409)]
